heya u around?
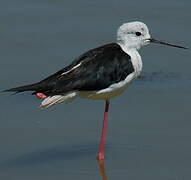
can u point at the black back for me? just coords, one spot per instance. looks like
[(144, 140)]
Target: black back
[(100, 67)]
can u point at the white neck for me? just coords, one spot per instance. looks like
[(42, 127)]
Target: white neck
[(128, 43), (135, 57)]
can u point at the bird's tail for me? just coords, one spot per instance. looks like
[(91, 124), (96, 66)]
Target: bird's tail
[(41, 87), (52, 100), (31, 87)]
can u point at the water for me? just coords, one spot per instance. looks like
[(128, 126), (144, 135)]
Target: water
[(149, 125)]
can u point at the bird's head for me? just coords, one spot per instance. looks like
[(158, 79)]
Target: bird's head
[(134, 35)]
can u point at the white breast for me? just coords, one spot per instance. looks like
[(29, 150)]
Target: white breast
[(117, 88)]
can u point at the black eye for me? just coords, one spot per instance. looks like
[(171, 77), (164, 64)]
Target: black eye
[(138, 34)]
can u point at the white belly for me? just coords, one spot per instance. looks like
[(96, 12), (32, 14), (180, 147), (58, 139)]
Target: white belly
[(110, 92)]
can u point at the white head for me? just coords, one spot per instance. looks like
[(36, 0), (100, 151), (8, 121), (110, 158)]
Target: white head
[(134, 35)]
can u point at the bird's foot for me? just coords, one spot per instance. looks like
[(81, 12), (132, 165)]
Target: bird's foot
[(41, 95)]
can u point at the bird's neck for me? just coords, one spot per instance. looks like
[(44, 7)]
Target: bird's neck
[(128, 42), (135, 58)]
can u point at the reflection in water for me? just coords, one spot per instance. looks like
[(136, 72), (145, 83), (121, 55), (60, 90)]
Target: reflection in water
[(160, 75), (102, 170)]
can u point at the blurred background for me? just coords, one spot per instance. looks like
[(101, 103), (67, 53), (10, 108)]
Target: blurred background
[(149, 127)]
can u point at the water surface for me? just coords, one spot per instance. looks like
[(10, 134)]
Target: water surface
[(149, 125)]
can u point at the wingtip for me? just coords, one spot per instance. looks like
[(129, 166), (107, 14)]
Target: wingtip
[(9, 91), (4, 91)]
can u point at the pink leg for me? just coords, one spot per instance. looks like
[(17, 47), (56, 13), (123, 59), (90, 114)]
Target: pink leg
[(102, 142)]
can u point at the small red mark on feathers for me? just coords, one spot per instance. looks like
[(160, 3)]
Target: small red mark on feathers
[(41, 95)]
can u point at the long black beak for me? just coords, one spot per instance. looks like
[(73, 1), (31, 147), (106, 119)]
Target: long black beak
[(166, 43)]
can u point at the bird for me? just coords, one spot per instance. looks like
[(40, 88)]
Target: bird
[(101, 73)]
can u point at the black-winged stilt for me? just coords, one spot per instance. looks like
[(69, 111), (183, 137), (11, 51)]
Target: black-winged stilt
[(100, 73)]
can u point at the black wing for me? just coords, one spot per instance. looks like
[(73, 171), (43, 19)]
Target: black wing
[(95, 70)]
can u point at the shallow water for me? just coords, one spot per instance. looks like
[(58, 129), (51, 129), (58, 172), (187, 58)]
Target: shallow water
[(149, 125)]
